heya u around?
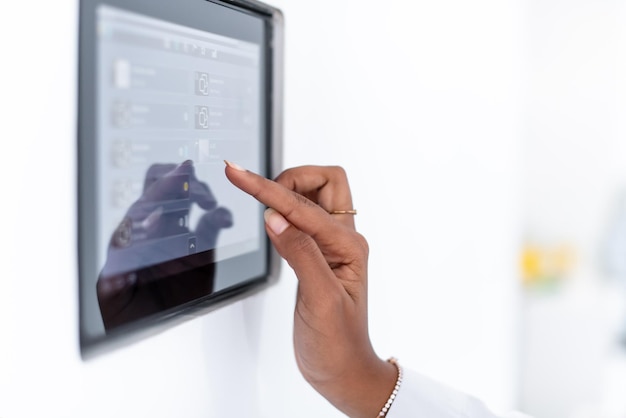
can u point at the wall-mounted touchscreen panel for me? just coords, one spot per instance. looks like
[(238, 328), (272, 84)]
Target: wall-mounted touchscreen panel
[(165, 97)]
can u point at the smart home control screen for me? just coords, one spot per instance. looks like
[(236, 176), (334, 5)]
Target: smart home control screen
[(171, 104)]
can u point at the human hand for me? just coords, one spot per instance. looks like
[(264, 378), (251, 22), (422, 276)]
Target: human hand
[(140, 276), (331, 340)]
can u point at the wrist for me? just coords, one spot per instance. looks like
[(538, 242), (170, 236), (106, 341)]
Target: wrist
[(396, 388), (363, 390)]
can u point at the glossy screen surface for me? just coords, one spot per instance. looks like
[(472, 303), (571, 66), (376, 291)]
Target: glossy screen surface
[(162, 105)]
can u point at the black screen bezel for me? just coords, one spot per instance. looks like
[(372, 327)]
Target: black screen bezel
[(173, 12)]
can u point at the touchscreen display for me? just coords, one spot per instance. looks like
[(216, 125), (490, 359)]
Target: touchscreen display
[(163, 226)]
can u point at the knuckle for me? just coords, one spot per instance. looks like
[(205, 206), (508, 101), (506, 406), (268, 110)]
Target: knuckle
[(298, 200), (285, 176), (289, 177), (304, 244), (362, 243), (338, 172)]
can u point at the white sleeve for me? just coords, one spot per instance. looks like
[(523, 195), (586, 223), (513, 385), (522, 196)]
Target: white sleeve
[(420, 397)]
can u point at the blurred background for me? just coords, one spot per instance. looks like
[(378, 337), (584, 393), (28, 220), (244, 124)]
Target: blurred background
[(573, 333), (485, 142)]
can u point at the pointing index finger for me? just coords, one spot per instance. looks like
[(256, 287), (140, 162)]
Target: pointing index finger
[(297, 209)]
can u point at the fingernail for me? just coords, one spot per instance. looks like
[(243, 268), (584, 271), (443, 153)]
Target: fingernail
[(275, 221), (234, 166)]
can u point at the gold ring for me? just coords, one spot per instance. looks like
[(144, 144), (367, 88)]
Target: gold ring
[(343, 212)]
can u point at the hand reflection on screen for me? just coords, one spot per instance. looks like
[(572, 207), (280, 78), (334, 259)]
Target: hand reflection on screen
[(154, 261)]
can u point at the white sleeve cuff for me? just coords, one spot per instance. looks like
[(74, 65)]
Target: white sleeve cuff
[(420, 396)]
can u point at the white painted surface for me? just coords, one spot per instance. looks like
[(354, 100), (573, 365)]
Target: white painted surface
[(417, 100)]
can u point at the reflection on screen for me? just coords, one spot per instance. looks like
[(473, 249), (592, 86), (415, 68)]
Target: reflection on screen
[(172, 104)]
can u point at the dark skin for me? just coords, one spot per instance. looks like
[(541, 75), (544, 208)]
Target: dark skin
[(331, 339)]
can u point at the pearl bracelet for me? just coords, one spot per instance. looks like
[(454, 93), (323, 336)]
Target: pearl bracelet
[(394, 393)]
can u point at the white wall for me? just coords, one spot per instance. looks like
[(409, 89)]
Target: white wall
[(417, 100)]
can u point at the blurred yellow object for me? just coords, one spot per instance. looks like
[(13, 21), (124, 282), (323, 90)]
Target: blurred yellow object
[(531, 263), (546, 264)]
